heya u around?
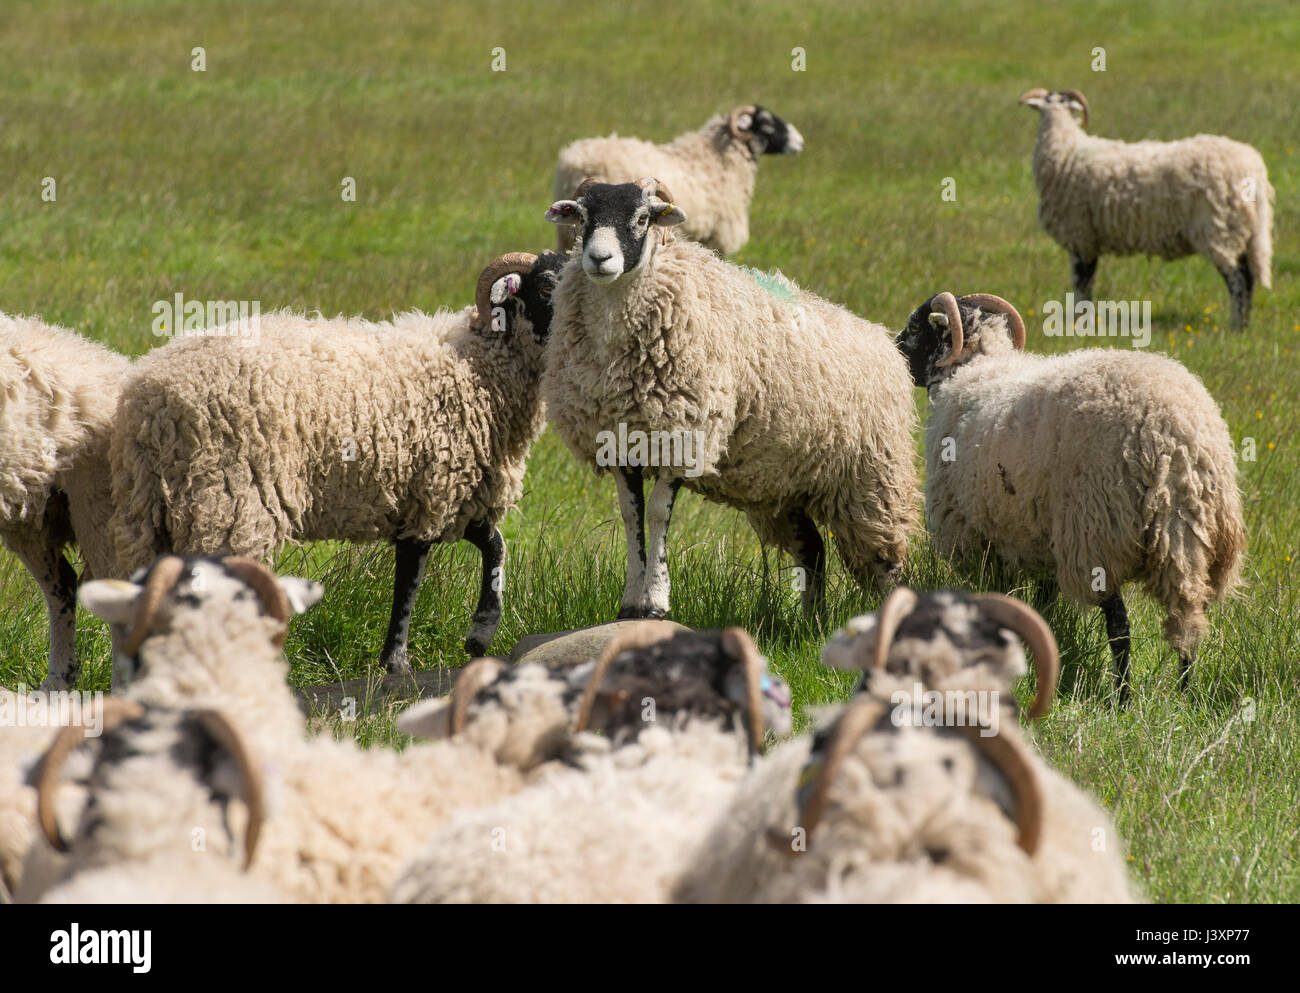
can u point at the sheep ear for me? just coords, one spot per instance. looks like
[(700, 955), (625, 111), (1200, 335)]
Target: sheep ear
[(426, 719), (667, 215), (111, 599), (564, 212), (506, 287), (303, 594)]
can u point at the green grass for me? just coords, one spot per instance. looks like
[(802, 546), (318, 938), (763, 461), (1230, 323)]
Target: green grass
[(226, 184)]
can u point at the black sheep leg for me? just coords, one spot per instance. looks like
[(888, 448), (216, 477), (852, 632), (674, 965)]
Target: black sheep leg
[(487, 615), (411, 558), (1117, 633)]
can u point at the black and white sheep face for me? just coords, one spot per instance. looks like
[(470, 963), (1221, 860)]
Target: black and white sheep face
[(776, 136), (524, 301), (923, 342), (616, 221), (1041, 100)]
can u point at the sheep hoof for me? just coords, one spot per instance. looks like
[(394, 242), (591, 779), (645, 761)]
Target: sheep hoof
[(396, 664), (477, 647), (642, 613)]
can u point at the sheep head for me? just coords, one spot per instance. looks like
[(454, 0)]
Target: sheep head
[(948, 640), (514, 293), (946, 330), (1040, 99), (616, 220), (753, 126)]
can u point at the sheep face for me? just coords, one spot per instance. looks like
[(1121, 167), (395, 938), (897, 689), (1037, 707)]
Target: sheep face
[(775, 136), (616, 221), (1060, 102), (924, 341), (524, 300)]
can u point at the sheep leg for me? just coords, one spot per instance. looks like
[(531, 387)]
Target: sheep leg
[(809, 552), (631, 504), (1117, 633), (1241, 283), (1083, 271), (58, 582), (411, 558), (658, 516), (487, 616)]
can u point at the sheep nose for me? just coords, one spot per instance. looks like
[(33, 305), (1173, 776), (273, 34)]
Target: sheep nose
[(600, 258)]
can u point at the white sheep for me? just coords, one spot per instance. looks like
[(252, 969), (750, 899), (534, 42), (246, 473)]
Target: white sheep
[(901, 812), (58, 391), (615, 824), (712, 170), (1098, 467), (415, 431), (345, 818), (748, 390), (1206, 195)]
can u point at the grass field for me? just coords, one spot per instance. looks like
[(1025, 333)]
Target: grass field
[(225, 184)]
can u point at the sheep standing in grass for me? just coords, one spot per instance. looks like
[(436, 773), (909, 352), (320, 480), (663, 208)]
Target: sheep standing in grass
[(1098, 467), (781, 404), (58, 391), (712, 170), (414, 431), (1205, 195)]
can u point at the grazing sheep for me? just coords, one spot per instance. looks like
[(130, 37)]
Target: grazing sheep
[(414, 430), (1205, 195), (948, 642), (758, 394), (1099, 467), (345, 818), (711, 169), (58, 391), (156, 827), (614, 827)]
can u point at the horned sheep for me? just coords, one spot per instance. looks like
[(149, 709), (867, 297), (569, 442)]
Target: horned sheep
[(796, 412), (1098, 467), (712, 170), (415, 431), (1206, 195)]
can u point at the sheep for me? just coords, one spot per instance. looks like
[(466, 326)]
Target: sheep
[(898, 812), (615, 826), (1206, 195), (58, 391), (347, 818), (191, 632), (156, 827), (415, 431), (766, 398), (1098, 467), (712, 169), (948, 642)]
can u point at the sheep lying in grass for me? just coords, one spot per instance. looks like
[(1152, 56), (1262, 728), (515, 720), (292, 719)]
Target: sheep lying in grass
[(711, 169), (157, 826), (58, 391), (615, 828), (344, 818), (414, 431), (796, 412), (1099, 467), (885, 808), (1206, 195)]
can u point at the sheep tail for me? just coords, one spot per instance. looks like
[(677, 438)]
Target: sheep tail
[(1259, 252)]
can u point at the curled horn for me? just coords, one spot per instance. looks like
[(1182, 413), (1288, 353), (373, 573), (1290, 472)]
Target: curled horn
[(161, 579), (1022, 619), (266, 586), (473, 678), (945, 303), (859, 717), (733, 120), (1010, 759), (899, 603), (520, 262), (991, 304), (1076, 95), (583, 187), (639, 635), (112, 712), (1037, 93), (223, 731), (737, 643), (655, 188)]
